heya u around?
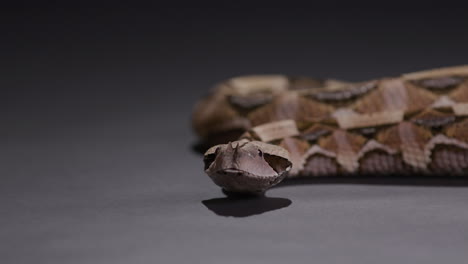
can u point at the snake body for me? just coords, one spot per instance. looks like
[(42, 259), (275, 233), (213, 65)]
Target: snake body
[(283, 127)]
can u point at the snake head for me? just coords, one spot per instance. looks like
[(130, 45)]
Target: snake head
[(247, 166)]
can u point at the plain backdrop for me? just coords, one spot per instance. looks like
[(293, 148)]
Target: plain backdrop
[(96, 151)]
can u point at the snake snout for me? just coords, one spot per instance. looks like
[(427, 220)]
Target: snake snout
[(245, 166)]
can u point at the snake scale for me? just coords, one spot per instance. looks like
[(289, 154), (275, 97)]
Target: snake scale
[(275, 127)]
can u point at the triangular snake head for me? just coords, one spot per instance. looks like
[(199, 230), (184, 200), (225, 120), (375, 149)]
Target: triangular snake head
[(247, 166)]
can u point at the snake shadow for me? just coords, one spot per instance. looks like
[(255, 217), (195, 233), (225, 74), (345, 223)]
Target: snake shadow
[(245, 205)]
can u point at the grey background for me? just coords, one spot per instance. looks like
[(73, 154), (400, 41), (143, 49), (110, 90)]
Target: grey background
[(96, 151)]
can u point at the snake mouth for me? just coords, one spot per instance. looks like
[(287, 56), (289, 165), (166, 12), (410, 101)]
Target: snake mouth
[(231, 171), (236, 172), (241, 181)]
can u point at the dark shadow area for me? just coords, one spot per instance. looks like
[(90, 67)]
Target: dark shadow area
[(243, 206), (248, 205), (397, 180)]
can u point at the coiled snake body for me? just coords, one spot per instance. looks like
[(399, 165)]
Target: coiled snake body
[(295, 126)]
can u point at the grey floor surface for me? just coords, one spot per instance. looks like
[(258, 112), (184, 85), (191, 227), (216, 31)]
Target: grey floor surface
[(97, 165)]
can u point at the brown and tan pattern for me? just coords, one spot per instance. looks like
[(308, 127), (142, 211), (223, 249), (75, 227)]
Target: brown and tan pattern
[(415, 123)]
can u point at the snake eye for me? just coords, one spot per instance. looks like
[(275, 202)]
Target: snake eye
[(210, 158), (260, 153)]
